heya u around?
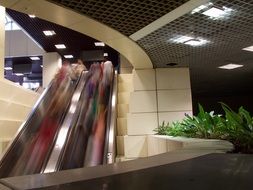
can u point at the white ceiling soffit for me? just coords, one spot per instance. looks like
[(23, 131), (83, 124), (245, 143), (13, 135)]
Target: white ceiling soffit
[(80, 23), (164, 20)]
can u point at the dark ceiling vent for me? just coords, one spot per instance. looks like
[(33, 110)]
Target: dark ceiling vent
[(171, 64)]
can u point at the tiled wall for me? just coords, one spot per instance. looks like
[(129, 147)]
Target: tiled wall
[(125, 65), (159, 95), (173, 94)]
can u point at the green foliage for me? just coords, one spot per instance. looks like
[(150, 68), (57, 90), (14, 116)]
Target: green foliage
[(162, 129), (239, 128), (234, 127)]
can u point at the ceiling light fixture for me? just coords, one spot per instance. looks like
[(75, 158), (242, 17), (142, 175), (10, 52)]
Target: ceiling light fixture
[(212, 11), (49, 32), (230, 66), (188, 40), (105, 54), (217, 13), (7, 68), (34, 58), (68, 56), (32, 16), (60, 46), (19, 74), (99, 43), (196, 42), (250, 48), (181, 39), (201, 7)]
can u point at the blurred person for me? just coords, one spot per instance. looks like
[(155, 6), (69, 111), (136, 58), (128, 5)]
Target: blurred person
[(95, 148), (78, 67), (87, 114), (34, 155)]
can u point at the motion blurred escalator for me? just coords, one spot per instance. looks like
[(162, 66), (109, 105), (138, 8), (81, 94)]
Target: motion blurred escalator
[(72, 125), (91, 132)]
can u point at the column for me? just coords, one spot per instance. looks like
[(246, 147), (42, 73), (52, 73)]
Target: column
[(2, 40), (51, 63), (173, 94), (125, 65), (142, 116)]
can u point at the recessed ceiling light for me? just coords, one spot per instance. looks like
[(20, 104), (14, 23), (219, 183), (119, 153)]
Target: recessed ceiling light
[(196, 42), (181, 39), (99, 44), (34, 58), (60, 46), (209, 9), (250, 48), (201, 7), (19, 74), (230, 66), (32, 16), (49, 32), (188, 40), (7, 68), (68, 56), (217, 13), (105, 54)]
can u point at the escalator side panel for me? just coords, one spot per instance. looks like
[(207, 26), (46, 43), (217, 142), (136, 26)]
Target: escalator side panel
[(18, 144)]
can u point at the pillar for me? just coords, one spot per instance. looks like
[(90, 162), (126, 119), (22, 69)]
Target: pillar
[(2, 40), (125, 65), (162, 94), (51, 63)]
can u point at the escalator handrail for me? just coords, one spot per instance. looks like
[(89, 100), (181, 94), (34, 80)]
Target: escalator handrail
[(66, 111), (62, 136), (110, 146)]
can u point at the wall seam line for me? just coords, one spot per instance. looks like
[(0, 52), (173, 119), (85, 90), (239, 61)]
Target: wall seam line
[(157, 114)]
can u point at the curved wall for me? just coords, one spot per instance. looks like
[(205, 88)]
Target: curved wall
[(73, 20)]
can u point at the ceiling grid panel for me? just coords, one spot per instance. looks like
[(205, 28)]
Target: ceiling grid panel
[(225, 37), (126, 16)]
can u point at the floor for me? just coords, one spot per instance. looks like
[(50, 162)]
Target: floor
[(212, 171)]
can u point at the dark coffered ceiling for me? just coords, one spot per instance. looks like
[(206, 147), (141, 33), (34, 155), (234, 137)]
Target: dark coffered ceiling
[(126, 16), (226, 38)]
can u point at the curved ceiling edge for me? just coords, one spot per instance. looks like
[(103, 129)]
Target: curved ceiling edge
[(75, 21)]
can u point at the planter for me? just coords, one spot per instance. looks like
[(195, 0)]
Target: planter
[(158, 144)]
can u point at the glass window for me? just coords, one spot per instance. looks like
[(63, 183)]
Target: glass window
[(10, 24)]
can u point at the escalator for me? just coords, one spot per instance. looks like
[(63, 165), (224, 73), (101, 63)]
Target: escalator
[(72, 125)]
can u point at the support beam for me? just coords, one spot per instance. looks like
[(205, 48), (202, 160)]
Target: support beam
[(166, 19)]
